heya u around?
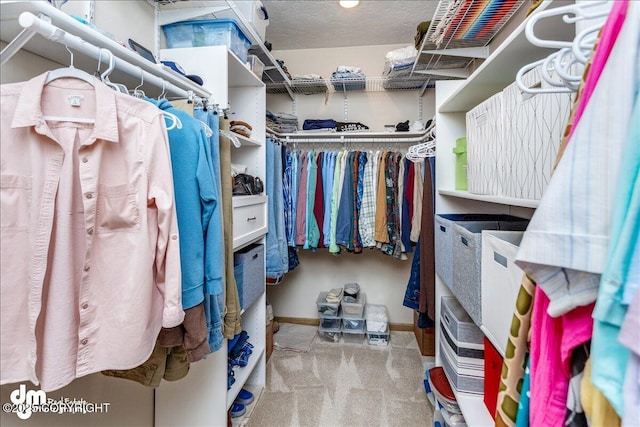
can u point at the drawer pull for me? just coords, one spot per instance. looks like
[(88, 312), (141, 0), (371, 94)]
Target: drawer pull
[(255, 256), (251, 218)]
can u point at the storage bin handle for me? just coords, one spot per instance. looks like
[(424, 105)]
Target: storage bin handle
[(251, 218), (255, 256), (500, 259), (464, 241), (446, 318), (443, 228)]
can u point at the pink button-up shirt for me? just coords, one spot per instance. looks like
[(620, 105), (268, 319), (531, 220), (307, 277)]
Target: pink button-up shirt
[(90, 267)]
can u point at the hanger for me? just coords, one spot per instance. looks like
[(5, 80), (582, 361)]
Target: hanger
[(137, 93), (69, 72), (112, 65), (580, 11), (164, 91), (234, 139)]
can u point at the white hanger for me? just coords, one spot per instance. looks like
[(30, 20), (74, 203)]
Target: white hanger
[(175, 120), (112, 65), (580, 11), (137, 92), (70, 71)]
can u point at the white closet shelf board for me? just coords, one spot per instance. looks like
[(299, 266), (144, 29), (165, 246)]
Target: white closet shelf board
[(244, 141), (511, 201), (346, 135), (38, 45), (500, 68), (474, 410), (241, 374), (220, 68)]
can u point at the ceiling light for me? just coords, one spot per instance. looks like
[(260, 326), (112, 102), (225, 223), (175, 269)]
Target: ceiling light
[(348, 4)]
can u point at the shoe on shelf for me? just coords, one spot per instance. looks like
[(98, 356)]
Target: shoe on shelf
[(237, 410), (245, 397)]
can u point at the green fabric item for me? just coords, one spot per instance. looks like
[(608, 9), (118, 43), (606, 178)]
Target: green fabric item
[(421, 31)]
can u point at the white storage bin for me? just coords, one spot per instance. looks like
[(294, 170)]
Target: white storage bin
[(533, 128), (501, 279), (485, 156), (253, 11)]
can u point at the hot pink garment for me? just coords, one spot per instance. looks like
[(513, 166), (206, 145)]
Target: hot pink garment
[(552, 342), (608, 37)]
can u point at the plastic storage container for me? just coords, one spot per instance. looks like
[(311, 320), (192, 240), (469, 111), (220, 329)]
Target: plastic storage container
[(378, 338), (352, 337), (327, 308), (377, 318), (330, 322), (256, 66), (353, 325), (442, 391), (208, 32), (329, 334), (354, 309)]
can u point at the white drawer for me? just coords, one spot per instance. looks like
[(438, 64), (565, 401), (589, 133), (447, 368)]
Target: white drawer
[(249, 219)]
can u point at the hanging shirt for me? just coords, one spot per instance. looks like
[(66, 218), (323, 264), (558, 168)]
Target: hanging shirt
[(318, 206), (416, 221), (313, 233), (328, 169), (301, 210), (367, 205), (565, 246), (335, 201), (89, 236), (381, 234)]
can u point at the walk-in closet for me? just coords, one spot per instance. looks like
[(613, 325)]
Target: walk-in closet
[(328, 213)]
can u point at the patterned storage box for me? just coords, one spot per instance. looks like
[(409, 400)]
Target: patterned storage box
[(533, 126), (485, 160)]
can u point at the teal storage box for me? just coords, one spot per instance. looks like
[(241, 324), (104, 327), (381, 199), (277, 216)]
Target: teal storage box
[(461, 163), (208, 32)]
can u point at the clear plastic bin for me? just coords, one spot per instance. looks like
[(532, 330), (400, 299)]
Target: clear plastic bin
[(353, 325), (208, 32), (330, 322), (378, 338), (329, 334), (354, 309), (352, 337), (327, 309)]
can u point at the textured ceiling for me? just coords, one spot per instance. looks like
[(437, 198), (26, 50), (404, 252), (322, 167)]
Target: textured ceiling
[(308, 24)]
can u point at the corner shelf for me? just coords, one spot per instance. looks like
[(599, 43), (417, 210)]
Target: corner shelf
[(511, 201)]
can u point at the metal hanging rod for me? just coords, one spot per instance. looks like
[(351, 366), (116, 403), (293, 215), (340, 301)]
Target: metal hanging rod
[(49, 31)]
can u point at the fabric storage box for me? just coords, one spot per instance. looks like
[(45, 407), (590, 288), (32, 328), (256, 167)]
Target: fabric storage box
[(353, 325), (249, 265), (443, 238), (485, 161), (329, 334), (461, 347), (501, 279), (327, 308), (352, 337), (354, 309), (533, 128), (467, 256), (208, 32)]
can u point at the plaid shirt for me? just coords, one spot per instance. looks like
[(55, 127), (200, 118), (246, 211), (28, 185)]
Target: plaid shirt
[(367, 204)]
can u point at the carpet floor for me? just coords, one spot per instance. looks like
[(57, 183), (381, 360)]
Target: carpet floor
[(344, 384)]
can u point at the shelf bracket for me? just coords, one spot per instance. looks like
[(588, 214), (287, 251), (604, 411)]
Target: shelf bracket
[(19, 41), (467, 52), (462, 73)]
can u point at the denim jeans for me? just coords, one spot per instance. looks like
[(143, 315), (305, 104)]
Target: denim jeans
[(274, 258)]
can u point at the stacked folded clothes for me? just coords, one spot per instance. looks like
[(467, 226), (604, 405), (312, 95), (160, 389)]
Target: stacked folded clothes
[(282, 122), (238, 354), (335, 295), (351, 291), (350, 127), (240, 127), (315, 124), (348, 78)]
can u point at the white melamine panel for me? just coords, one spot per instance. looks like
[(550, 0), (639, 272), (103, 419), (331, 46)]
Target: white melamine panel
[(132, 19)]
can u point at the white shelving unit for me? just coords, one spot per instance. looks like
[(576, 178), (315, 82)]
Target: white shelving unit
[(453, 100), (237, 90)]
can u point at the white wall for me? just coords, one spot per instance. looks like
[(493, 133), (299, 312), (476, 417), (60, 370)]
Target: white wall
[(382, 278)]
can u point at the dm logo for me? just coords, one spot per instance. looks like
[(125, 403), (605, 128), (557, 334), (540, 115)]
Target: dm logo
[(26, 400)]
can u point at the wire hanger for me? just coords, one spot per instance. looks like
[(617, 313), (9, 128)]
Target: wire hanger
[(69, 72)]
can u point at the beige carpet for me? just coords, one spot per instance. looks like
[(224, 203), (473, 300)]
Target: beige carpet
[(338, 384)]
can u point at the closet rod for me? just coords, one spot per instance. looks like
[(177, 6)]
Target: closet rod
[(31, 22)]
